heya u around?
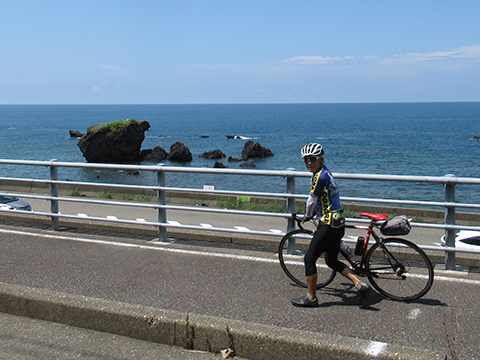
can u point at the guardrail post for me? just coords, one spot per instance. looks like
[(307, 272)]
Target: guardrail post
[(162, 200), (291, 209), (450, 260), (54, 194)]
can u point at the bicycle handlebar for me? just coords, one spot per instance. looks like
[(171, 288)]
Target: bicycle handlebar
[(299, 220)]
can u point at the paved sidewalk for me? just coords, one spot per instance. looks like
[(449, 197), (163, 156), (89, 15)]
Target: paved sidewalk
[(24, 338)]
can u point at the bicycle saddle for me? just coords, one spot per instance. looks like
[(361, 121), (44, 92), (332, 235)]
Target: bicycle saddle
[(376, 217)]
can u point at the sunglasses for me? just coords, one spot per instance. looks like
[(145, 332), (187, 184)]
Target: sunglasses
[(310, 159)]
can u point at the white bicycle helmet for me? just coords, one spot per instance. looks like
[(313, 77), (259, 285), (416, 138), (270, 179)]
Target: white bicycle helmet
[(312, 149)]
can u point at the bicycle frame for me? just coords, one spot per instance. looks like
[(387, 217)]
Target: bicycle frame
[(359, 266)]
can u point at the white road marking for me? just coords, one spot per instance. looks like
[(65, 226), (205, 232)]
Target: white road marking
[(173, 222), (376, 348), (414, 314), (151, 247), (242, 228), (162, 247), (276, 231)]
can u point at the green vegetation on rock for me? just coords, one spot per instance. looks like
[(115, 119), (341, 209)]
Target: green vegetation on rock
[(114, 125)]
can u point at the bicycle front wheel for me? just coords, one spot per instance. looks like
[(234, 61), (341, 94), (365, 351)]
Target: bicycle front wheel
[(399, 269), (291, 251)]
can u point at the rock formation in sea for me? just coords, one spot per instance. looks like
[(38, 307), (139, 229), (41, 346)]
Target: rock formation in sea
[(76, 134), (248, 165), (253, 150), (121, 141), (237, 137), (155, 155), (215, 154), (179, 152), (116, 142), (219, 165)]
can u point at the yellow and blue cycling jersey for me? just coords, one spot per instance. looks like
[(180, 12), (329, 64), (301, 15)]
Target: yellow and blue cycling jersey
[(324, 198)]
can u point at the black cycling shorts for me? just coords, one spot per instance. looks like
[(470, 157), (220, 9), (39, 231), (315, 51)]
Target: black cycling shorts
[(325, 240)]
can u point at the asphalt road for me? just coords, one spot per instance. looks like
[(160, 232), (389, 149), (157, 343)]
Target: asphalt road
[(243, 283)]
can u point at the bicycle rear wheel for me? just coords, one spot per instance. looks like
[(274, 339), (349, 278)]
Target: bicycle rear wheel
[(292, 261), (399, 269)]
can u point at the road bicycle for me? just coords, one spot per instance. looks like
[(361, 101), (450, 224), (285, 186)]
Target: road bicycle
[(397, 268)]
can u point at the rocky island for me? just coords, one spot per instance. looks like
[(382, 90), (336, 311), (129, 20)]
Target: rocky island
[(121, 142), (115, 142)]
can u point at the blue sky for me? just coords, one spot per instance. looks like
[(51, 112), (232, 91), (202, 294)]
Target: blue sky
[(234, 51)]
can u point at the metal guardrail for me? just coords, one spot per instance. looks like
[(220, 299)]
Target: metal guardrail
[(161, 188)]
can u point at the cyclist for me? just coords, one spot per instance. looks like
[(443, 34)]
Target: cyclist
[(324, 200)]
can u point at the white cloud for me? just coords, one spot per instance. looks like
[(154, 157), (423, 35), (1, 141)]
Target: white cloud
[(464, 52), (312, 59), (472, 51), (112, 68)]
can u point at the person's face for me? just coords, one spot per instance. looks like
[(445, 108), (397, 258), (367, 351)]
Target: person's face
[(313, 163)]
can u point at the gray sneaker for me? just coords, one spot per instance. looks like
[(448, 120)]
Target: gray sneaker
[(304, 301), (363, 292)]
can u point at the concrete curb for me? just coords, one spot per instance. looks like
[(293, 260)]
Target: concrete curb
[(194, 331)]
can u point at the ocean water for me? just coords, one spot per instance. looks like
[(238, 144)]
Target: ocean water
[(431, 139)]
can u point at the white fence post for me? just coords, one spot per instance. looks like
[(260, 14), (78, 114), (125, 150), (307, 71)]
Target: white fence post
[(54, 194), (450, 259), (291, 208), (162, 200)]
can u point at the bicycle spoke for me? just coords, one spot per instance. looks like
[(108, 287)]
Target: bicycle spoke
[(399, 269)]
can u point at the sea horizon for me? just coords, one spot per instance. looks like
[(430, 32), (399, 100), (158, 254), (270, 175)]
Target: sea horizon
[(251, 103)]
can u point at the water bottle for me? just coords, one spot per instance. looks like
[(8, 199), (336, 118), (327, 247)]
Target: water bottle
[(344, 246), (359, 246)]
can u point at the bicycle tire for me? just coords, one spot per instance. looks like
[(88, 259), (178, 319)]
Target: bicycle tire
[(389, 270), (293, 265)]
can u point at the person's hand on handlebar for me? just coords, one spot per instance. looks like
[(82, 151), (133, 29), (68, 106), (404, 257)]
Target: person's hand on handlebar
[(307, 218)]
